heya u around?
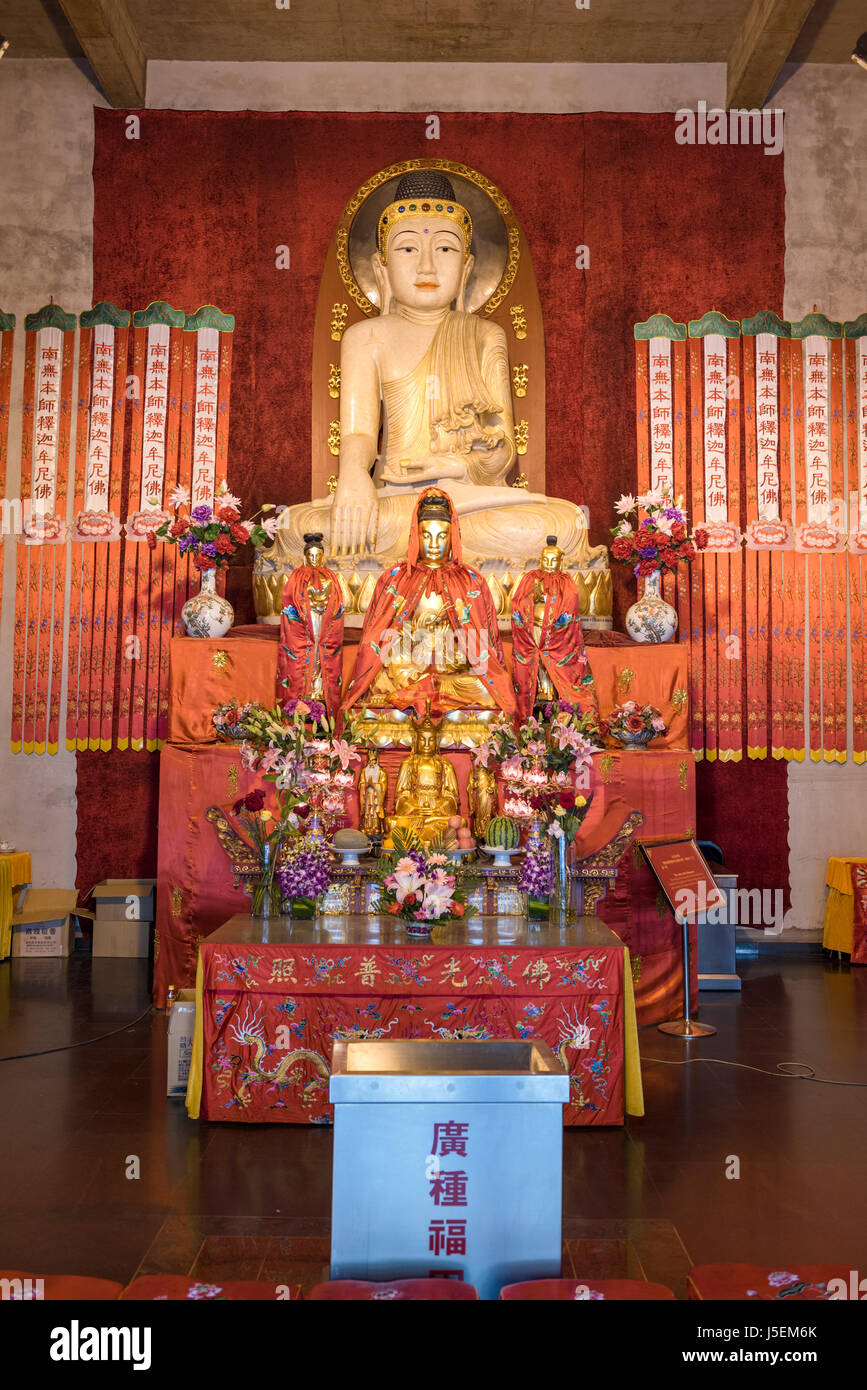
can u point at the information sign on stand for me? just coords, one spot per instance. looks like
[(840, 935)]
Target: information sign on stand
[(685, 878)]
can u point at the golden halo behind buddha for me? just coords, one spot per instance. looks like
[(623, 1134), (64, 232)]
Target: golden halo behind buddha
[(493, 245)]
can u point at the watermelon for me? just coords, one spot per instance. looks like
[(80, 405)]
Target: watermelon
[(503, 833)]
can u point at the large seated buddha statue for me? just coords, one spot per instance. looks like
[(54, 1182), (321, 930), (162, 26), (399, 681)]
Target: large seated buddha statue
[(425, 399), (430, 635)]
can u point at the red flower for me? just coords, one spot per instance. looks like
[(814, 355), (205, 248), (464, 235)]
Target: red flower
[(225, 545), (394, 908), (178, 528), (231, 717), (239, 532), (635, 723), (204, 562), (567, 801), (151, 540), (699, 538), (687, 551), (621, 547), (302, 810), (255, 800), (228, 514), (678, 531), (410, 900), (646, 568), (456, 909)]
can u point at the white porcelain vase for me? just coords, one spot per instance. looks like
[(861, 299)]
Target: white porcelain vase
[(206, 614), (651, 619)]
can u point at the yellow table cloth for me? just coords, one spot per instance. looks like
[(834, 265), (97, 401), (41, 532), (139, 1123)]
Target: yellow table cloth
[(16, 871), (840, 907)]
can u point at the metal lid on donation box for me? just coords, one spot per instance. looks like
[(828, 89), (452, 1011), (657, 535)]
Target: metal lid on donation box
[(383, 1071)]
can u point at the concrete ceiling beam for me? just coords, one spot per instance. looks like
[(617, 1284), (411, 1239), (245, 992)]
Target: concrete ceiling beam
[(767, 36), (108, 37)]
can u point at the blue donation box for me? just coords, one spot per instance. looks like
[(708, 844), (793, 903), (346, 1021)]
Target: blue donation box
[(448, 1161)]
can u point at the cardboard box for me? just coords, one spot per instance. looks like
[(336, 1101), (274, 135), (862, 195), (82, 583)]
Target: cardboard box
[(121, 938), (125, 900), (182, 1021), (44, 926)]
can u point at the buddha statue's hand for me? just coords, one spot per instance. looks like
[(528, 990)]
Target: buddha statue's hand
[(354, 512)]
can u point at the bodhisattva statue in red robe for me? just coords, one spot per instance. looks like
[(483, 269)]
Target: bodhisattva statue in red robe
[(309, 662), (430, 632), (550, 661)]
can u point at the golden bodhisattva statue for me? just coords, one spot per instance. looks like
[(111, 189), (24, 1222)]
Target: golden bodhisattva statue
[(427, 788), (372, 791), (482, 795)]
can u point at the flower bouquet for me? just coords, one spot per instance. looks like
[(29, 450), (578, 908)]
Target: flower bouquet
[(652, 534), (542, 765), (211, 535), (417, 887), (634, 726), (295, 749)]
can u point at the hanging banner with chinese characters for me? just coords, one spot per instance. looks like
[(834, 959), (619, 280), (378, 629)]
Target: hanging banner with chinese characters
[(37, 674), (715, 420), (820, 529), (95, 531), (7, 520), (767, 386), (204, 447), (155, 410), (660, 376), (855, 348)]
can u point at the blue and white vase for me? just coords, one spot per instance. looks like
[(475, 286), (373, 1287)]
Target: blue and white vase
[(207, 614), (651, 619)]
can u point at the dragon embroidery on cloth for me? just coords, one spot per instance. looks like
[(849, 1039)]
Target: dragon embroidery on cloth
[(250, 1031)]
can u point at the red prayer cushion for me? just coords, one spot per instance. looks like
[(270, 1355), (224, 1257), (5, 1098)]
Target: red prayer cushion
[(585, 1290), (56, 1287), (735, 1282), (432, 1290), (177, 1288)]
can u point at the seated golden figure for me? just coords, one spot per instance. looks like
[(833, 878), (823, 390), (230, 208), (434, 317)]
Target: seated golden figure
[(427, 788), (430, 633)]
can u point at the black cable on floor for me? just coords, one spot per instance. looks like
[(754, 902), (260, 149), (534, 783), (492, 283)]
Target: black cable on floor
[(85, 1042), (807, 1072)]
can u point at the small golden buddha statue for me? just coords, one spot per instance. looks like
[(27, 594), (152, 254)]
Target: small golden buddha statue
[(427, 788), (372, 790), (482, 795), (550, 562)]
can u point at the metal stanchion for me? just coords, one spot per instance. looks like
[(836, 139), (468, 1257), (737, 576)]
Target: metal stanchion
[(686, 1027)]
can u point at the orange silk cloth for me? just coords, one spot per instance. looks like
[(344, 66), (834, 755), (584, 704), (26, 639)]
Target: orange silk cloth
[(242, 665), (560, 648)]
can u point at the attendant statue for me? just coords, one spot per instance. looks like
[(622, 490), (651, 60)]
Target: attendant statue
[(427, 788), (431, 381), (310, 659), (482, 797), (430, 633), (373, 788), (549, 658)]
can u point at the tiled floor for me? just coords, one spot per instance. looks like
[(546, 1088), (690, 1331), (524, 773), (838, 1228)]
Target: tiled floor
[(228, 1201)]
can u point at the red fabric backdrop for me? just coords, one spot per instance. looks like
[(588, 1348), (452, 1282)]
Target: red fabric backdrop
[(194, 210)]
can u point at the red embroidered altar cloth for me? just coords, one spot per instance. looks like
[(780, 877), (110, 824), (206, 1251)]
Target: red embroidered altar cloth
[(268, 1010)]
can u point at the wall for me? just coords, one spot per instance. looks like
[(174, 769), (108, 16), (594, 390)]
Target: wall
[(46, 216), (45, 247)]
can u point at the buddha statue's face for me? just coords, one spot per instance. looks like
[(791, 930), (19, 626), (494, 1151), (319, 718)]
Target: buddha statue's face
[(426, 266), (551, 559), (314, 556), (434, 541), (426, 742)]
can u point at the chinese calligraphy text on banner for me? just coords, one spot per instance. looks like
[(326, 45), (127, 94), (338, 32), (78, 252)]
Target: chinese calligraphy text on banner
[(772, 610)]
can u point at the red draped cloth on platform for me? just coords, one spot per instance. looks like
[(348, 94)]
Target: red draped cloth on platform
[(308, 996)]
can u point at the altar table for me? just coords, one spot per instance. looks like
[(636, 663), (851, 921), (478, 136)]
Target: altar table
[(846, 908), (272, 995)]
